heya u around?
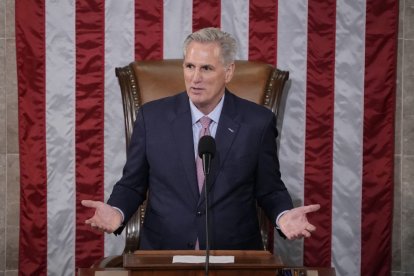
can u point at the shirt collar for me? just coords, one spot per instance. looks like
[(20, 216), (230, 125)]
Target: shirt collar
[(214, 115)]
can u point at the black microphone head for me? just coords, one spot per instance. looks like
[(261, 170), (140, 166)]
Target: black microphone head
[(206, 145)]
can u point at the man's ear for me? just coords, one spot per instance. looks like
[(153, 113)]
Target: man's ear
[(229, 72)]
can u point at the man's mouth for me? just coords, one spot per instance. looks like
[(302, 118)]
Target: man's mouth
[(197, 90)]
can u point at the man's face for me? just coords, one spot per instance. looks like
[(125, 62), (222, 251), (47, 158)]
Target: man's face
[(205, 75)]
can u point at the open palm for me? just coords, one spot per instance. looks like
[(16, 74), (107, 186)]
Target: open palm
[(106, 218), (294, 223)]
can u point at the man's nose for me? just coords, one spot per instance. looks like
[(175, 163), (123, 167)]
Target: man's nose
[(197, 75)]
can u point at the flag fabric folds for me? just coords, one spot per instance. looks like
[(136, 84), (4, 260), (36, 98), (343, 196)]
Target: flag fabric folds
[(336, 136)]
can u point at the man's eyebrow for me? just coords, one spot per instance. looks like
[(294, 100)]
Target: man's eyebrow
[(201, 66)]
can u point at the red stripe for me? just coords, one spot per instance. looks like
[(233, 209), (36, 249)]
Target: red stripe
[(90, 26), (378, 148), (206, 13), (30, 47), (319, 128), (149, 35), (263, 44), (263, 30)]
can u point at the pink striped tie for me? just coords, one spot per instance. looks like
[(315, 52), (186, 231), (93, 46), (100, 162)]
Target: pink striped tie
[(205, 123)]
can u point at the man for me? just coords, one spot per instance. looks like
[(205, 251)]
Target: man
[(162, 161)]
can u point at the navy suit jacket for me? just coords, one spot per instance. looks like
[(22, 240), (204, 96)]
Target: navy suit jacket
[(161, 160)]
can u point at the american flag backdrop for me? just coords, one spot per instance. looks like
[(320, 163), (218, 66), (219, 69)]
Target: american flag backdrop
[(337, 133)]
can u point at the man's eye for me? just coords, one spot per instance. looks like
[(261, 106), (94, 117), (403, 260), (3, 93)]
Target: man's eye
[(206, 68), (190, 66)]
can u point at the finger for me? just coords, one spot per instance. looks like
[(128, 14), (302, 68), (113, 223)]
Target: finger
[(306, 234), (95, 228), (293, 235), (298, 235), (93, 221), (90, 221), (290, 237), (310, 228), (90, 203), (311, 208)]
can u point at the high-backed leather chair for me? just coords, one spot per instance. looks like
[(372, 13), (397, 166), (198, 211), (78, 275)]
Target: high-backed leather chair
[(144, 81)]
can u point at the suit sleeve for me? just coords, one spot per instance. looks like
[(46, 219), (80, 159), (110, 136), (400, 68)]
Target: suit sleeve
[(271, 192), (130, 191)]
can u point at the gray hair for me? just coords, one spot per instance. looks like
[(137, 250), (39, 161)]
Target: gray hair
[(226, 42)]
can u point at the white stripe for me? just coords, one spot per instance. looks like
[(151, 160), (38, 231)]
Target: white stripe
[(60, 136), (348, 135), (119, 51), (178, 24), (292, 56), (235, 20)]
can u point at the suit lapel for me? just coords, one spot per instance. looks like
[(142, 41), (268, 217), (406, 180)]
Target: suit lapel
[(226, 132), (183, 136)]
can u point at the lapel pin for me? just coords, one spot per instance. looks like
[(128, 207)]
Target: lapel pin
[(230, 130)]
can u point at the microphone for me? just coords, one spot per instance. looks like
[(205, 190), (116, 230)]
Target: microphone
[(206, 151)]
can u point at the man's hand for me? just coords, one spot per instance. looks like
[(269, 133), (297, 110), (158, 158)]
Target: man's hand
[(294, 223), (106, 218)]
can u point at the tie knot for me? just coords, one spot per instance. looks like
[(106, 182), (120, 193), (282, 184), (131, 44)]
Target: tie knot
[(205, 121)]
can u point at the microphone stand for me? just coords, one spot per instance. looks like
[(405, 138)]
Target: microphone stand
[(206, 151), (206, 173)]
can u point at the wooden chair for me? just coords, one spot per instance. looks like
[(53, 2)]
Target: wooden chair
[(144, 81)]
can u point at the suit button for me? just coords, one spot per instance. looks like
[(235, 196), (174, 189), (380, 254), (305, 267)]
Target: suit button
[(190, 245), (200, 213)]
